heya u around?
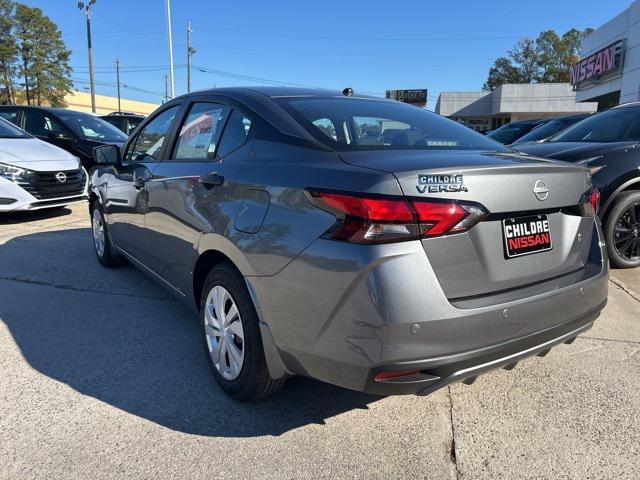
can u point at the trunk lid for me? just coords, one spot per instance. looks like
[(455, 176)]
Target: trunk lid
[(475, 263)]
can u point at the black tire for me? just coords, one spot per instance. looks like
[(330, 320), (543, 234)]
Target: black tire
[(108, 257), (253, 381), (623, 250)]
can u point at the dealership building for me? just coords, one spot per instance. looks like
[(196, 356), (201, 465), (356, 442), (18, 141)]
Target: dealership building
[(511, 102), (609, 68)]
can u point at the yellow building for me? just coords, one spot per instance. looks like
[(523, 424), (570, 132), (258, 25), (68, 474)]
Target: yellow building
[(81, 102)]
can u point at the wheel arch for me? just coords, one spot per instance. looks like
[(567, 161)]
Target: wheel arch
[(629, 185), (206, 261)]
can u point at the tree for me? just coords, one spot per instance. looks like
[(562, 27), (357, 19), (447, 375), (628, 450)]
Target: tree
[(8, 50), (44, 58), (502, 71), (544, 60)]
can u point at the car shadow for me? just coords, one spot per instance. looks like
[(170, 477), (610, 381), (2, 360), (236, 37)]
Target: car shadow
[(14, 218), (113, 335)]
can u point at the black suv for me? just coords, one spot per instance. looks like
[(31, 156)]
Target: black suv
[(125, 121), (609, 144), (77, 132)]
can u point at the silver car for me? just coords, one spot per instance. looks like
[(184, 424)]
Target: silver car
[(357, 240)]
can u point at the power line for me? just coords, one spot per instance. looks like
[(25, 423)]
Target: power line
[(123, 85)]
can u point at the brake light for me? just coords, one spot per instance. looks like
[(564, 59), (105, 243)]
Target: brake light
[(379, 219), (590, 203)]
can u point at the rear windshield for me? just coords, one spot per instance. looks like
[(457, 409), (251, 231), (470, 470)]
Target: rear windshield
[(548, 129), (89, 127), (614, 125), (511, 132), (368, 124), (9, 130)]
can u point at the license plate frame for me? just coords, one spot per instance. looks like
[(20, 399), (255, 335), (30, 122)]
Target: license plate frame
[(531, 229)]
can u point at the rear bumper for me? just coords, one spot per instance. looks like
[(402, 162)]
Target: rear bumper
[(342, 313), (438, 373)]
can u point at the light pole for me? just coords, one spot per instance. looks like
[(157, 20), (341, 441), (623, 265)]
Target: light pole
[(118, 82), (86, 9), (173, 89), (190, 52)]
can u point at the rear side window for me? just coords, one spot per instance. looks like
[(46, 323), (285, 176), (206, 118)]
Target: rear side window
[(11, 115), (235, 133), (151, 138), (200, 132)]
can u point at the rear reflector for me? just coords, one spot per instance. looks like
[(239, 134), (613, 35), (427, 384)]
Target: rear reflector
[(382, 376), (365, 219), (590, 203)]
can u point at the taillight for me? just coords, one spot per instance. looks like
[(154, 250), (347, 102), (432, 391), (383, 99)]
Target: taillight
[(379, 219), (590, 203)]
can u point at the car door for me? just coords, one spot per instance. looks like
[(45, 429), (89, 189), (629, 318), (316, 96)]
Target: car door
[(126, 202), (47, 127), (189, 192)]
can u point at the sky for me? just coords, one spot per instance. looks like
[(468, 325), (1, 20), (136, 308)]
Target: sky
[(369, 46)]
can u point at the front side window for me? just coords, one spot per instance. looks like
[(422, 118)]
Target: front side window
[(149, 142), (200, 132), (347, 123)]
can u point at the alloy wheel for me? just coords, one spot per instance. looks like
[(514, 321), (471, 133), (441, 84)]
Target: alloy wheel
[(97, 228), (627, 233), (224, 332)]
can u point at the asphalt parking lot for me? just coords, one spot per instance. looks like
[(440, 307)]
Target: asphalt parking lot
[(102, 376)]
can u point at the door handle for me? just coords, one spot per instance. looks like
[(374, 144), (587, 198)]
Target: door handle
[(211, 180)]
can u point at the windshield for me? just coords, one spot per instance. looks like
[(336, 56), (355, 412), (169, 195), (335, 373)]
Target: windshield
[(511, 132), (89, 127), (367, 124), (549, 129), (616, 125), (9, 130)]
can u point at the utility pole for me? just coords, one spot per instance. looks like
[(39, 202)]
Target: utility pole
[(166, 89), (173, 88), (190, 52), (118, 82), (86, 9)]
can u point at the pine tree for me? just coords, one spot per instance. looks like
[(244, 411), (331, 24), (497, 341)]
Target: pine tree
[(8, 50), (44, 58)]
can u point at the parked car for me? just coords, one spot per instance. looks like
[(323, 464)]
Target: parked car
[(510, 132), (36, 175), (609, 144), (547, 130), (308, 247), (125, 121), (76, 132)]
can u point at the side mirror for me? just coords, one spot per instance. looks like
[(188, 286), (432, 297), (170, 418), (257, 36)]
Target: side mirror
[(107, 155)]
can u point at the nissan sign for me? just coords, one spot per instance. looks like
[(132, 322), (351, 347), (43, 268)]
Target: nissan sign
[(414, 97), (598, 66)]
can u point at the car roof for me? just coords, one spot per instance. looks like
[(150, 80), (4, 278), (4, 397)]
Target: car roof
[(279, 92), (527, 122)]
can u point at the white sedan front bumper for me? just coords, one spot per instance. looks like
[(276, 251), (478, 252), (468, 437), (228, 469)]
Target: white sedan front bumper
[(14, 197)]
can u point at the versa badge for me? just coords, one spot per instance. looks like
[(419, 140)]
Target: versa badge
[(441, 184)]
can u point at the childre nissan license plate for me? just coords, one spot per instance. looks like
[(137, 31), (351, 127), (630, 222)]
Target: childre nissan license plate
[(526, 235)]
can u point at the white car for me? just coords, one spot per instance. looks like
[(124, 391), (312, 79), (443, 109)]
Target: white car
[(35, 174)]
